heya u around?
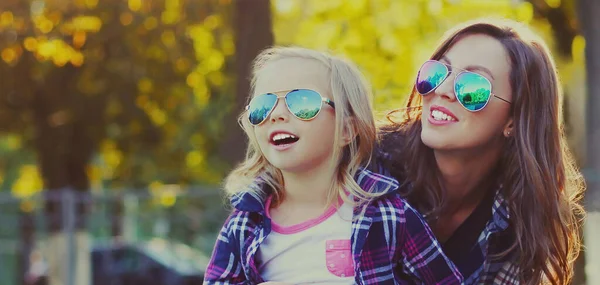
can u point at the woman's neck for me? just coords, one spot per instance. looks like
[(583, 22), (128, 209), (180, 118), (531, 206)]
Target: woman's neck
[(462, 174)]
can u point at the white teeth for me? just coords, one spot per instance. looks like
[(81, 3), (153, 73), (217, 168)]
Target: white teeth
[(441, 116), (282, 137)]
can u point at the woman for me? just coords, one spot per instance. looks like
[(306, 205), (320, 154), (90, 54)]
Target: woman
[(482, 153)]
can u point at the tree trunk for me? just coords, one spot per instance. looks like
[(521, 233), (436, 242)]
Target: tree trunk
[(590, 23), (64, 145), (563, 29), (253, 34)]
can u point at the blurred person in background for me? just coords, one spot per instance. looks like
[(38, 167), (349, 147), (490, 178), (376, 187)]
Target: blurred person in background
[(38, 270)]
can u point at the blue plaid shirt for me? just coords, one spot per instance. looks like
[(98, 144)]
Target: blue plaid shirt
[(391, 243), (494, 239), (483, 267)]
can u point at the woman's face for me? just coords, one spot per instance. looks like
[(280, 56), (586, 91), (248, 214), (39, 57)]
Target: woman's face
[(447, 125)]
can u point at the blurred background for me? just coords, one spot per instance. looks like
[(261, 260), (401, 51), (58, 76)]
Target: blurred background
[(118, 117)]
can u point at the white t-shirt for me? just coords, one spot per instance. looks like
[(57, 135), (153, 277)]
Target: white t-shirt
[(317, 251)]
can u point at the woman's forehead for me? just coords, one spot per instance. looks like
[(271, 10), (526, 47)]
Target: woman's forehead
[(480, 50)]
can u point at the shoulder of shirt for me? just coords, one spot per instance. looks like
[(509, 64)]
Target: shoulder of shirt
[(374, 182), (500, 211), (393, 200), (253, 199), (240, 221)]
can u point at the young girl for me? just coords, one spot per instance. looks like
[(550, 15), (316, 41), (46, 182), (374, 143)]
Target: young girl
[(305, 209)]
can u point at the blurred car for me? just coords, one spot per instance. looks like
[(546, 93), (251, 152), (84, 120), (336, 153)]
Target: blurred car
[(155, 262)]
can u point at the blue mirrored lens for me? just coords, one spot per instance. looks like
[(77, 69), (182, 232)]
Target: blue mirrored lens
[(472, 90), (431, 75), (260, 107), (303, 103)]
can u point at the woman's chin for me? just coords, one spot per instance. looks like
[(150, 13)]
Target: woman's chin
[(434, 141)]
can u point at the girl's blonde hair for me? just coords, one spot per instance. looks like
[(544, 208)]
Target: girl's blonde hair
[(353, 114)]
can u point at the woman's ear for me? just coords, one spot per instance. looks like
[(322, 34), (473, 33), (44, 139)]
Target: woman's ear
[(508, 128)]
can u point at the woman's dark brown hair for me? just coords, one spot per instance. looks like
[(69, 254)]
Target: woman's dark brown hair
[(540, 180)]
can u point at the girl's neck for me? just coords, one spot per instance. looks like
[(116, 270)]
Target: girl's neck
[(310, 186), (305, 196)]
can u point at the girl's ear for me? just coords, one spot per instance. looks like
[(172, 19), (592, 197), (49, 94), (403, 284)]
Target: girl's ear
[(349, 132)]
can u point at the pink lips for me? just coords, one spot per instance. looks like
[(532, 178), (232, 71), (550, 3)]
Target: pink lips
[(435, 122)]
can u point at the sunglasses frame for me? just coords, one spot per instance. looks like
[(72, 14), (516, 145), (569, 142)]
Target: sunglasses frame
[(447, 67), (287, 92)]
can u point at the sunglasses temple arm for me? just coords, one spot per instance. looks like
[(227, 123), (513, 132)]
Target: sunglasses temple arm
[(329, 102), (502, 99)]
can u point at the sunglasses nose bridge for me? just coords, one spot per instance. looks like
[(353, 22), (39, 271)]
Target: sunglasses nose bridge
[(280, 110), (446, 88)]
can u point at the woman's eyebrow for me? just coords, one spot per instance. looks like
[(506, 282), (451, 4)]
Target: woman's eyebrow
[(471, 67)]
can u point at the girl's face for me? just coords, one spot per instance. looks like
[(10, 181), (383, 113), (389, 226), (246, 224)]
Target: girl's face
[(447, 125), (289, 143)]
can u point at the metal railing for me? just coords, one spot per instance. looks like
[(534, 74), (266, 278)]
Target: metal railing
[(189, 217)]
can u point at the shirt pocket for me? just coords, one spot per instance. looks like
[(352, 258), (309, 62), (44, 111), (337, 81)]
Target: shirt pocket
[(338, 257)]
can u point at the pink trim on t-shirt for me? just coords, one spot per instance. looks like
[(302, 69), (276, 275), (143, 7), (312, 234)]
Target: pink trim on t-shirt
[(288, 230)]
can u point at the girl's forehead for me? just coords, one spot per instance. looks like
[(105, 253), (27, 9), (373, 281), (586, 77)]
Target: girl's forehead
[(292, 73)]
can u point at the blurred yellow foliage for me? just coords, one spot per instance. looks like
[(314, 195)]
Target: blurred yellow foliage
[(553, 3), (172, 12), (6, 19), (145, 85), (12, 142), (111, 157), (9, 55), (179, 64), (194, 159), (168, 38), (30, 43), (94, 173), (79, 38), (213, 21), (56, 50), (579, 49), (28, 183), (194, 79), (44, 25), (134, 5), (87, 23), (150, 23), (91, 4), (126, 18), (182, 65), (164, 195), (387, 39), (77, 59)]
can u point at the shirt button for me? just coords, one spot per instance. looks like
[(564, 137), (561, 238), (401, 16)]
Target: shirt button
[(331, 265), (342, 256), (343, 275), (331, 246)]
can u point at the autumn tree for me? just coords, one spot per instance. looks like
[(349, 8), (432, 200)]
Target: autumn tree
[(114, 94)]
